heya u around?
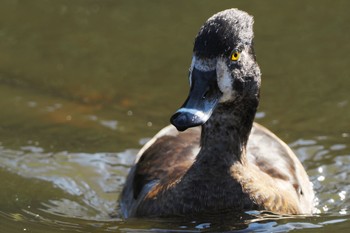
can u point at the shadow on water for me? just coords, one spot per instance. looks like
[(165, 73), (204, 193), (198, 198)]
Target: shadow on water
[(85, 83)]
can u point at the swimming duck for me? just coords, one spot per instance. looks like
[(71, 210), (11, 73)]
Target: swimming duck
[(221, 160)]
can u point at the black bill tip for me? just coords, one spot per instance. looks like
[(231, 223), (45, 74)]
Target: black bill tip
[(183, 119)]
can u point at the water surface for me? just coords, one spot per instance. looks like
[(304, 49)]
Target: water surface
[(85, 83)]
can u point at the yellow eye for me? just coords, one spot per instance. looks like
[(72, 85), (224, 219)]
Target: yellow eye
[(235, 56)]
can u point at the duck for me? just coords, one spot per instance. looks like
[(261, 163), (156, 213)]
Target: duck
[(214, 158)]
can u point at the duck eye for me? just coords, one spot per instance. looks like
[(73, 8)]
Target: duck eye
[(235, 56)]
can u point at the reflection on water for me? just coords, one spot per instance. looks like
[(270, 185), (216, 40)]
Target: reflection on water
[(90, 184), (84, 83), (95, 178), (330, 180)]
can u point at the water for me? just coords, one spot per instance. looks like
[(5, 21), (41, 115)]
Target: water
[(85, 83)]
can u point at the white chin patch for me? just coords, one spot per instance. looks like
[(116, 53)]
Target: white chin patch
[(224, 81), (200, 114)]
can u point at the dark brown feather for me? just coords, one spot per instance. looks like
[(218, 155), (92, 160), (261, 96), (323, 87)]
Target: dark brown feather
[(165, 162)]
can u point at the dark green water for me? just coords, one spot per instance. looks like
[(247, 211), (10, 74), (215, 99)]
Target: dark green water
[(84, 83)]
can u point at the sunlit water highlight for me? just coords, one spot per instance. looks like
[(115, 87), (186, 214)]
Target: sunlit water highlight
[(92, 183), (85, 83)]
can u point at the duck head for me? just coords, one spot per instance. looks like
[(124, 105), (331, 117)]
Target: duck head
[(223, 68)]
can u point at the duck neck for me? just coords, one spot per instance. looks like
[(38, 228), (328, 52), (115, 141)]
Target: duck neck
[(224, 136)]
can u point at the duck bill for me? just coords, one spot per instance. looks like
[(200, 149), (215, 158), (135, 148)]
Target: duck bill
[(203, 97)]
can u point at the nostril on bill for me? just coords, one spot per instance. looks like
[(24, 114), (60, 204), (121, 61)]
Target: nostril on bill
[(205, 94)]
